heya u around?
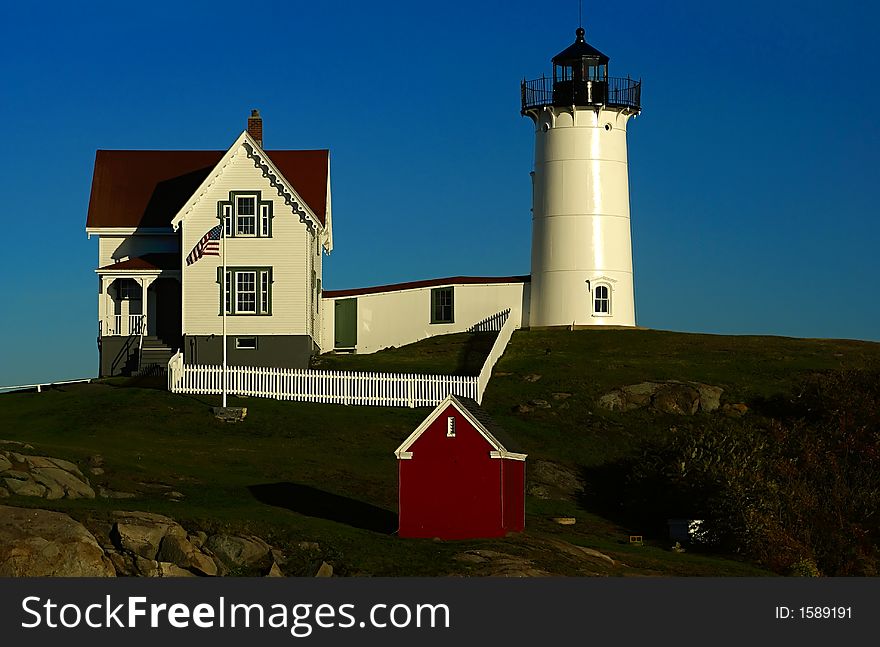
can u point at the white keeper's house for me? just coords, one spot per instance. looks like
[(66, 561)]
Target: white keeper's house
[(163, 217)]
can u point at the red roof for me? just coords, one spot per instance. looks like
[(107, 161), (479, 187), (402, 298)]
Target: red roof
[(453, 280), (148, 262), (148, 188)]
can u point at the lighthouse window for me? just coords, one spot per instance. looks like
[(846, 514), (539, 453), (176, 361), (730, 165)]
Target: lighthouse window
[(442, 305), (602, 300)]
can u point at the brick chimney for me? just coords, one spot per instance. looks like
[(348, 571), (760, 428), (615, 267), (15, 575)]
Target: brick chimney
[(255, 127)]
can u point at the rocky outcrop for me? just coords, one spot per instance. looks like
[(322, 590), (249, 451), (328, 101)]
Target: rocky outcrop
[(673, 397), (549, 480), (38, 543), (42, 476), (133, 544)]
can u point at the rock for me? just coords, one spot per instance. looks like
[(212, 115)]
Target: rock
[(230, 414), (178, 550), (240, 552), (104, 493), (561, 396), (308, 545), (613, 401), (122, 563), (324, 570), (275, 571), (96, 471), (39, 543), (540, 404), (737, 410), (73, 487), (197, 538), (96, 460), (470, 557), (710, 396), (142, 533), (565, 521), (4, 493), (680, 399), (532, 378), (554, 481), (24, 488), (67, 466), (5, 463), (146, 567), (522, 408), (53, 489), (174, 495), (167, 569)]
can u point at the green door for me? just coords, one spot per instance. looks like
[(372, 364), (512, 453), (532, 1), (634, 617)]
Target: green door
[(346, 315)]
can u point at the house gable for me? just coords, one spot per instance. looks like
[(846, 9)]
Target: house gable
[(246, 146), (472, 414)]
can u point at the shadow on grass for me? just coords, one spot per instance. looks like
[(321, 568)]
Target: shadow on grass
[(313, 502), (474, 352)]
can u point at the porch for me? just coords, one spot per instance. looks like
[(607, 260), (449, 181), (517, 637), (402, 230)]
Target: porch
[(139, 313)]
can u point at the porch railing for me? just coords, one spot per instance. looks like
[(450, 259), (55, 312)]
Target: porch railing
[(123, 325)]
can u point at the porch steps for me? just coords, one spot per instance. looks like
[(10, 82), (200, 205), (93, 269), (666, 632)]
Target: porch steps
[(155, 355)]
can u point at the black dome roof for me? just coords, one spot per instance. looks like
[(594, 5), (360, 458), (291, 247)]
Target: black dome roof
[(578, 50)]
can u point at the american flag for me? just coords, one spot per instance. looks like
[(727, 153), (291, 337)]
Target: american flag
[(209, 245)]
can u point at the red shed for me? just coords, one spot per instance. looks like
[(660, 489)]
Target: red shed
[(460, 476)]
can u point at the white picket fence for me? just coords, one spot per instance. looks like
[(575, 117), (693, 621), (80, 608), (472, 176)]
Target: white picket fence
[(336, 387)]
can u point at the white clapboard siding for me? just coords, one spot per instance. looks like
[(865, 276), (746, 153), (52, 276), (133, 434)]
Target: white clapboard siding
[(285, 252), (113, 248)]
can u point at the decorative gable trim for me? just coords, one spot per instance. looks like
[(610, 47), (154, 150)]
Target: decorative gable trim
[(279, 183), (499, 450), (262, 162)]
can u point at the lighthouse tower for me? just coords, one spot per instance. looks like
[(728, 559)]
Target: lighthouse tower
[(582, 272)]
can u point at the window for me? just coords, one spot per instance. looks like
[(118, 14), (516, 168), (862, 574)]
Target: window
[(246, 343), (128, 290), (602, 300), (450, 427), (248, 290), (246, 216), (442, 306)]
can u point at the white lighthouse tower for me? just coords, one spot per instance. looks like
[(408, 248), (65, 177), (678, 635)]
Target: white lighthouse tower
[(582, 271)]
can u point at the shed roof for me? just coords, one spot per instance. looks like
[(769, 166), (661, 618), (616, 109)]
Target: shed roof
[(146, 189)]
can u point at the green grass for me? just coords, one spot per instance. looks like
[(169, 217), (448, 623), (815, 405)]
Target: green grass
[(153, 441)]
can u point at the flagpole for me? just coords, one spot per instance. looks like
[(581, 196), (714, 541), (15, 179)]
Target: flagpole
[(226, 295)]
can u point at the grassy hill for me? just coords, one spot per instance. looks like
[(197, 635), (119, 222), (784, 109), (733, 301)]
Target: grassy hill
[(294, 471)]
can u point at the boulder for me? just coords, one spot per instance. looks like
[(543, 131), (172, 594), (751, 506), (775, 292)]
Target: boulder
[(549, 480), (24, 487), (72, 486), (734, 410), (534, 377), (179, 550), (680, 399), (275, 571), (5, 463), (39, 543), (710, 396), (324, 570), (238, 553), (167, 569), (540, 404), (141, 533)]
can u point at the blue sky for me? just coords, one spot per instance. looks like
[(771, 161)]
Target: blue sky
[(753, 167)]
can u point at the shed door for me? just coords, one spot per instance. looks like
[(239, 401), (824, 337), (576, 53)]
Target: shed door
[(345, 316)]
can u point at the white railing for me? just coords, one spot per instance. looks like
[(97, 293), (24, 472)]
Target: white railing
[(492, 323), (39, 387), (134, 325), (339, 387), (501, 341), (330, 387)]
